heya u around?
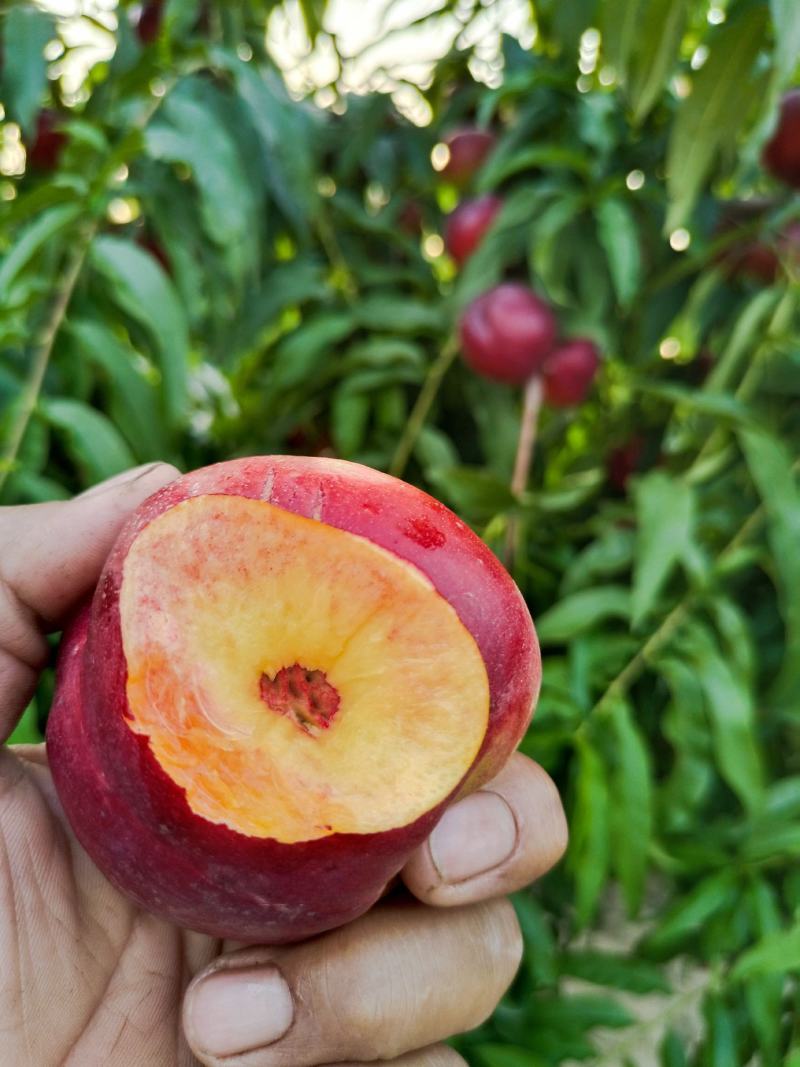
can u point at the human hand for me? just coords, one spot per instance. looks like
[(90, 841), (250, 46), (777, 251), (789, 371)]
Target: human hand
[(89, 980)]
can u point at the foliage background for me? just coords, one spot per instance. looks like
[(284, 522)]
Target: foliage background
[(290, 308)]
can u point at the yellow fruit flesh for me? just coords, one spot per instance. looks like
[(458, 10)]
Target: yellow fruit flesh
[(222, 590)]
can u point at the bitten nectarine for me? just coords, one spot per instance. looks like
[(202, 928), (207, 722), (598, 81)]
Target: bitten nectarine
[(289, 668)]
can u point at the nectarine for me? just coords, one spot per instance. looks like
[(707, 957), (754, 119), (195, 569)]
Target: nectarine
[(289, 668), (507, 333), (466, 226), (469, 148), (569, 372)]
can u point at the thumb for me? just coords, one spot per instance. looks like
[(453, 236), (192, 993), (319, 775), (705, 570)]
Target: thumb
[(51, 556)]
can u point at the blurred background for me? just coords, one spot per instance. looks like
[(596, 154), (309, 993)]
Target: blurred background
[(224, 230)]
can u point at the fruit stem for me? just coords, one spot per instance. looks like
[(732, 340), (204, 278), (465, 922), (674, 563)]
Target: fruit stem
[(41, 351), (532, 406), (419, 413)]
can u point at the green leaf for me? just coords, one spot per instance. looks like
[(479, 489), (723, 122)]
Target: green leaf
[(710, 118), (721, 1040), (90, 438), (658, 40), (309, 347), (732, 713), (777, 953), (27, 731), (684, 919), (619, 236), (285, 134), (588, 855), (665, 513), (621, 24), (764, 993), (349, 417), (187, 130), (505, 1056), (134, 404), (616, 971), (142, 289), (26, 31), (673, 1053), (473, 492), (631, 805), (580, 612), (771, 467), (609, 554), (721, 406), (539, 960), (35, 236), (384, 311), (786, 23)]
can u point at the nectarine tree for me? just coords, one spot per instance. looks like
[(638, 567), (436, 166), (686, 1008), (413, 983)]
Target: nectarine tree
[(200, 264)]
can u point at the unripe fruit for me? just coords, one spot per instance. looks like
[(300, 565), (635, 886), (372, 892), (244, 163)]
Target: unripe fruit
[(290, 667), (48, 142), (467, 225), (569, 373), (507, 333), (469, 148), (781, 154)]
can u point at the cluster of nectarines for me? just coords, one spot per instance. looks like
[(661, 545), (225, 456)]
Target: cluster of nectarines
[(509, 333)]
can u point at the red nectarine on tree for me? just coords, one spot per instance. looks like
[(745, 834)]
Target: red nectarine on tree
[(469, 148), (507, 333), (569, 372), (466, 226), (289, 668), (48, 142), (782, 152)]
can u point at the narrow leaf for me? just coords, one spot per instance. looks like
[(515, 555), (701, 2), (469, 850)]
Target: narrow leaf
[(665, 511), (631, 805), (26, 31), (94, 444), (619, 236), (582, 611), (142, 289), (35, 236), (712, 115), (588, 856), (771, 467)]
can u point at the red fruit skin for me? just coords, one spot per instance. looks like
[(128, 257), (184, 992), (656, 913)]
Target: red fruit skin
[(135, 822), (781, 155), (48, 144), (156, 250), (469, 148), (623, 462), (507, 333), (467, 225), (149, 24), (569, 372), (410, 218)]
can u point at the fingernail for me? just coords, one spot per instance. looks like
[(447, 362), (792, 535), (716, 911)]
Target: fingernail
[(124, 478), (474, 836), (239, 1010)]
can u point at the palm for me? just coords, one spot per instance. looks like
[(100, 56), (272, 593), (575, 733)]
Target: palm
[(107, 977)]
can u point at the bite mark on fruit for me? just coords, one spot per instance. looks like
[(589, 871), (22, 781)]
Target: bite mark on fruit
[(302, 695)]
